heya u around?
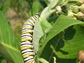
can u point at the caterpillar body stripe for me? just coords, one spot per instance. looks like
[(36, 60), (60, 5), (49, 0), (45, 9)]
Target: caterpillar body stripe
[(26, 40)]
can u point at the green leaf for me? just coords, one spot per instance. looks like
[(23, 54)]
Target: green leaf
[(53, 3), (9, 47), (48, 52), (36, 7), (46, 26), (66, 49), (60, 25), (38, 33), (3, 61)]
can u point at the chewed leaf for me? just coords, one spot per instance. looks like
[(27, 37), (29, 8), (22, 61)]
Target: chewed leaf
[(62, 23)]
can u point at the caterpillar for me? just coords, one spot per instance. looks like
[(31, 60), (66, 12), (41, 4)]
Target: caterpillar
[(26, 40)]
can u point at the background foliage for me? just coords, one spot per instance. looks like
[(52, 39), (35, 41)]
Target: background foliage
[(57, 38)]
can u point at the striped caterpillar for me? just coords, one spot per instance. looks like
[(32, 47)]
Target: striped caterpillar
[(26, 40)]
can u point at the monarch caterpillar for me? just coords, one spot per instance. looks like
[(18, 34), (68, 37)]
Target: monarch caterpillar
[(26, 40)]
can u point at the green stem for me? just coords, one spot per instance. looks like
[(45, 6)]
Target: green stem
[(48, 10), (65, 2), (77, 60)]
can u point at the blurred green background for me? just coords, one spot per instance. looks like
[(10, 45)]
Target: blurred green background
[(17, 11), (61, 40)]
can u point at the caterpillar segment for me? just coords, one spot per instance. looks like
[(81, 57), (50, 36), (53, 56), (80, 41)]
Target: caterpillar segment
[(26, 40)]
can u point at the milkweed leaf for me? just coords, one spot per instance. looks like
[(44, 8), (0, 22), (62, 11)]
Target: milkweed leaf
[(9, 47)]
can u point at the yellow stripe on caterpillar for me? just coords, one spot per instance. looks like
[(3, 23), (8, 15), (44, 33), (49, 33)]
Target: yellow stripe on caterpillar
[(30, 55), (26, 44), (24, 56), (27, 22), (24, 39), (29, 31), (25, 26), (25, 47), (29, 42), (31, 61)]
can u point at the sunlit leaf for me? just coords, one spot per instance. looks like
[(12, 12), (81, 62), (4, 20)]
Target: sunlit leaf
[(9, 47)]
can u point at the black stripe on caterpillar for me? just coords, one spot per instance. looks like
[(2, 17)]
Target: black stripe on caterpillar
[(26, 40)]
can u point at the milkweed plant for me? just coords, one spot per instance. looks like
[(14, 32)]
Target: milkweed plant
[(58, 35)]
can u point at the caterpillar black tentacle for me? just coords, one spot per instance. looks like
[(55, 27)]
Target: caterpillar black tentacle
[(26, 40)]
